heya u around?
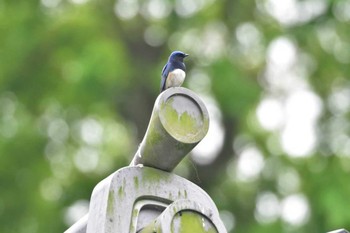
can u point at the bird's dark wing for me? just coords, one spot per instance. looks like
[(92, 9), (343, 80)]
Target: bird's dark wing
[(164, 68), (165, 73)]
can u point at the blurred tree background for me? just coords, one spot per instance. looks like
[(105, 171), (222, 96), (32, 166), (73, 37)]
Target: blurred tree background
[(78, 79)]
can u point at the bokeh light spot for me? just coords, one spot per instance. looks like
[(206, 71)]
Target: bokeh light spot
[(295, 210), (250, 164), (267, 207), (155, 35), (126, 9), (270, 114), (86, 159), (91, 131)]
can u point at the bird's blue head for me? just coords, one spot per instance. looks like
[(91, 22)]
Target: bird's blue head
[(177, 56)]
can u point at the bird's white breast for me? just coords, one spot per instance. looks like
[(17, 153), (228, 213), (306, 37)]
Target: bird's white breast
[(175, 78)]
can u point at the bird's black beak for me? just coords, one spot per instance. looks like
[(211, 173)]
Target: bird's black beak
[(186, 55)]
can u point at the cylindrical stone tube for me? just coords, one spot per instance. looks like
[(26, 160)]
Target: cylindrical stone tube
[(178, 123)]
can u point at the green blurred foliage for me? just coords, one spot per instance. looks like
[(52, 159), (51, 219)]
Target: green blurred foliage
[(78, 79)]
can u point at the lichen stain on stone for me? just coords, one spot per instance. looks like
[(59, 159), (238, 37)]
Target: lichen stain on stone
[(189, 222), (182, 124), (152, 176), (154, 137), (110, 203), (170, 197), (135, 213), (120, 191), (136, 182)]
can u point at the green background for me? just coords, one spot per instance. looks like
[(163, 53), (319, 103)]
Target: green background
[(78, 80)]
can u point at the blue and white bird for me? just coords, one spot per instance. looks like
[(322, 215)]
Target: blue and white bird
[(174, 71)]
